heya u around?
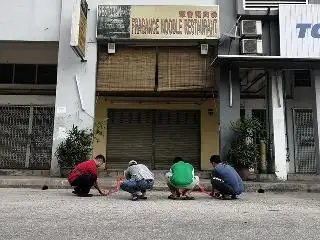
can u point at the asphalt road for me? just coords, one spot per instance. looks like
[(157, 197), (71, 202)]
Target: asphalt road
[(57, 214)]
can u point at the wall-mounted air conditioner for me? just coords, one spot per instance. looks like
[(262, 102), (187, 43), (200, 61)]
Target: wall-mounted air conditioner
[(251, 46), (251, 28)]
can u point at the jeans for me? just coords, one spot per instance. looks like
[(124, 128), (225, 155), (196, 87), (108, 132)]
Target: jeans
[(133, 186), (219, 185), (84, 183)]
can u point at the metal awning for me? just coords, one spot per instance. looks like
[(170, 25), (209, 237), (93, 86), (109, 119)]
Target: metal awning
[(266, 62)]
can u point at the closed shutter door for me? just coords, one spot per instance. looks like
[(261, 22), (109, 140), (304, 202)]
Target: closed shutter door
[(176, 134), (183, 68), (129, 137), (129, 69)]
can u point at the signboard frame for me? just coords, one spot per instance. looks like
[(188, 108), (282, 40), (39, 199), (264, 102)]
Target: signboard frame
[(158, 22), (79, 28)]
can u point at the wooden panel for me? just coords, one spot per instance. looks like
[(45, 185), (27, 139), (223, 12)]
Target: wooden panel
[(129, 69), (183, 68)]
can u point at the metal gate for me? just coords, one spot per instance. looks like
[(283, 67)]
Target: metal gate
[(26, 137), (152, 137), (305, 161)]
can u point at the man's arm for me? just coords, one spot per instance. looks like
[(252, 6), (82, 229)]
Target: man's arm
[(96, 186), (215, 174), (127, 174)]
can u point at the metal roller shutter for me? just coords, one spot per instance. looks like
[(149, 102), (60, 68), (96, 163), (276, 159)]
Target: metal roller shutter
[(129, 137), (176, 134)]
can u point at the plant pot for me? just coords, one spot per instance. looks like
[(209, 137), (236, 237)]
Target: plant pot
[(65, 171), (243, 173)]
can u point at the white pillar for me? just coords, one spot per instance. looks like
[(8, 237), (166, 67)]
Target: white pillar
[(278, 123), (316, 116), (69, 108)]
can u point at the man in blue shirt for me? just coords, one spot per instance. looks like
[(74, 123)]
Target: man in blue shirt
[(226, 182)]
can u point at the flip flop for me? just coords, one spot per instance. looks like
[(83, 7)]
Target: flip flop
[(188, 198), (173, 197)]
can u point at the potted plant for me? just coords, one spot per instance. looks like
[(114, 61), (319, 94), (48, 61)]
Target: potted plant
[(244, 151), (76, 148)]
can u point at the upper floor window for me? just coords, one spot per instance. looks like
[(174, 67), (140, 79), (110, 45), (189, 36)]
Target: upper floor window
[(265, 4), (302, 78), (39, 74)]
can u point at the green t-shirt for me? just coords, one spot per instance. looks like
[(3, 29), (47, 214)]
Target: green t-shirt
[(182, 174)]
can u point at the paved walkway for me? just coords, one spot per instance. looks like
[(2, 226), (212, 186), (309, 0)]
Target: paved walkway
[(57, 214), (58, 183)]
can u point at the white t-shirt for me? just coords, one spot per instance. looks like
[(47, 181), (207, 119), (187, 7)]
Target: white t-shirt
[(139, 172)]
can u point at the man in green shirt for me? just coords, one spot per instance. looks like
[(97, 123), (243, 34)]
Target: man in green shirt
[(181, 176)]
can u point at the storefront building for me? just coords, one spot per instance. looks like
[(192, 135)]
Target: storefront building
[(163, 80), (154, 83)]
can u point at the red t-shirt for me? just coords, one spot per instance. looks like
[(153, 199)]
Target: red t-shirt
[(87, 167)]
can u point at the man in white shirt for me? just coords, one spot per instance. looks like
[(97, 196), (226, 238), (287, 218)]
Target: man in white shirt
[(139, 179)]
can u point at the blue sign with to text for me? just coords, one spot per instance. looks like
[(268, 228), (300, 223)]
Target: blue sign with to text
[(303, 27)]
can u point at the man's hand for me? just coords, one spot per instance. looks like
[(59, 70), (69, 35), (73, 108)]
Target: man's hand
[(103, 192)]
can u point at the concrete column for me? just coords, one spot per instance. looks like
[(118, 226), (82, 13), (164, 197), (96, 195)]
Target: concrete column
[(69, 109), (316, 115), (278, 123), (229, 98)]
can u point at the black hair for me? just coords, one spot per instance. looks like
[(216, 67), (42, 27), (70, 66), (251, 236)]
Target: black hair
[(215, 159), (101, 157), (177, 159)]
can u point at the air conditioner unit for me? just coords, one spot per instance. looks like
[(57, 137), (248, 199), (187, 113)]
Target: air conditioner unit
[(251, 28), (204, 49), (111, 48), (251, 46)]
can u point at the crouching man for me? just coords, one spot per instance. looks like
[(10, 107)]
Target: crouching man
[(226, 182), (84, 176), (181, 177), (139, 179)]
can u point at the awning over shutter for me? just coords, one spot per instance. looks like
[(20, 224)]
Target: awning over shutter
[(129, 69), (183, 68)]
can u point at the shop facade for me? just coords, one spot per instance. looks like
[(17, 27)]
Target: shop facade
[(164, 81)]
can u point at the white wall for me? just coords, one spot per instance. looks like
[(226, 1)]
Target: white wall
[(250, 104), (30, 20), (26, 100), (157, 2), (29, 53)]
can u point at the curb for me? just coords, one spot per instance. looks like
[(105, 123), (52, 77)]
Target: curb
[(56, 183)]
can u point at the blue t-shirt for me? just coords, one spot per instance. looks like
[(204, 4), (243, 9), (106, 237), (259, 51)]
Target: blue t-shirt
[(230, 176)]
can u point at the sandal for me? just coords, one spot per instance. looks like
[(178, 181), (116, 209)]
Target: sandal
[(188, 198), (172, 197)]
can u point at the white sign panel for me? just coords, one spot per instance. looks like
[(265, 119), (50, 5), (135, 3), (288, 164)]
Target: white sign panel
[(299, 30)]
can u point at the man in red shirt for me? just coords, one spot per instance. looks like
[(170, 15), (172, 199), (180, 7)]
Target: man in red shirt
[(84, 176)]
